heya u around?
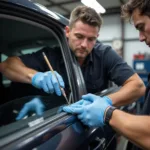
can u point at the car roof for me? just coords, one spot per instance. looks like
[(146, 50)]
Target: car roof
[(40, 9)]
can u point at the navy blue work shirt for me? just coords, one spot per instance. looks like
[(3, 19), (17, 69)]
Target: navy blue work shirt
[(101, 66), (104, 65)]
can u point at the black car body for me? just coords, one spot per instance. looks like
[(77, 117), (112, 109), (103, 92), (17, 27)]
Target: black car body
[(27, 26)]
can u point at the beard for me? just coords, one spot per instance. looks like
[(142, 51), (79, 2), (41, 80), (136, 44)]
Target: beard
[(81, 53)]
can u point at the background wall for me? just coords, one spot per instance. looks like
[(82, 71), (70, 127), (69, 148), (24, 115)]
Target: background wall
[(111, 29)]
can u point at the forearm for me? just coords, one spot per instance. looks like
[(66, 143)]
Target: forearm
[(15, 70), (132, 89), (135, 128)]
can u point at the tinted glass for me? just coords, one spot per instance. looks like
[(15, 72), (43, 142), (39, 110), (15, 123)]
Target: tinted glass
[(27, 39)]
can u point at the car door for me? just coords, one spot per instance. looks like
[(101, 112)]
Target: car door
[(24, 31)]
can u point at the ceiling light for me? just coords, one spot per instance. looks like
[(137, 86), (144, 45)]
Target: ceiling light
[(95, 5)]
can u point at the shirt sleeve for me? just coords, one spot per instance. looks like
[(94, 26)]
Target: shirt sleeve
[(118, 70), (36, 60)]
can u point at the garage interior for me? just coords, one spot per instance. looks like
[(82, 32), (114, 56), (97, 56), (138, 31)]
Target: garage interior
[(116, 32)]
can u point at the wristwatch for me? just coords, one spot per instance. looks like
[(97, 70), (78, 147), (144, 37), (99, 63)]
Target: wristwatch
[(108, 114)]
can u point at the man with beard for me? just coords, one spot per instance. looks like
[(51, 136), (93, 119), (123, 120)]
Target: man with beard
[(98, 111)]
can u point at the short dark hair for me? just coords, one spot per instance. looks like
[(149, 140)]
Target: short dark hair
[(86, 15), (131, 5)]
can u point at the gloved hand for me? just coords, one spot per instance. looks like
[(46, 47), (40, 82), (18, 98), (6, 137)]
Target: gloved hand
[(74, 105), (91, 114), (34, 105), (81, 102), (48, 82)]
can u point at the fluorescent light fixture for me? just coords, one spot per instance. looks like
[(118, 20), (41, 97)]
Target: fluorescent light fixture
[(49, 13), (95, 5)]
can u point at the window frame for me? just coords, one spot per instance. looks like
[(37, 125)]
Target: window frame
[(66, 54)]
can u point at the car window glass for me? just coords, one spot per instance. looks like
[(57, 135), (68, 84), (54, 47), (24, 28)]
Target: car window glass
[(21, 39)]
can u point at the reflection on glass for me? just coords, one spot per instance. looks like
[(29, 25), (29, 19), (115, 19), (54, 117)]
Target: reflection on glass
[(32, 41)]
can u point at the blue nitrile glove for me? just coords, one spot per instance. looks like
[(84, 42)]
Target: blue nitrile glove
[(80, 102), (91, 114), (48, 82), (34, 105)]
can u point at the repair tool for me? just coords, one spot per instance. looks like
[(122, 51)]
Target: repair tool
[(51, 69)]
